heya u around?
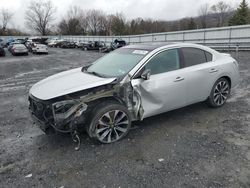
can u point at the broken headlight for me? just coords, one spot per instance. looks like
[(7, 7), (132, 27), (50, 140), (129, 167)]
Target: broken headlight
[(63, 110)]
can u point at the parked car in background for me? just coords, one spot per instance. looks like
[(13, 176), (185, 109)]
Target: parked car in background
[(30, 45), (67, 44), (55, 42), (40, 48), (19, 49), (59, 43), (9, 41), (2, 43), (2, 51), (94, 45), (117, 43), (38, 40), (130, 84), (21, 41), (11, 45), (80, 44)]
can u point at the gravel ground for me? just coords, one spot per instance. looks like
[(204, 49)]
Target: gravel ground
[(195, 146)]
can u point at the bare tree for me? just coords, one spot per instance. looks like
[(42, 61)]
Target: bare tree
[(40, 15), (74, 23), (203, 14), (104, 25), (118, 26), (221, 9), (93, 18), (5, 17)]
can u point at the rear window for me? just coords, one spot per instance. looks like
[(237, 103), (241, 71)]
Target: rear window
[(195, 56), (209, 56)]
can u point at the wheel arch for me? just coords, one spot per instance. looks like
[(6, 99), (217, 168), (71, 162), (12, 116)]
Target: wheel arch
[(228, 79)]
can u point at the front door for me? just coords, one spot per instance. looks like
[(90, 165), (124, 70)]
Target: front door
[(166, 89)]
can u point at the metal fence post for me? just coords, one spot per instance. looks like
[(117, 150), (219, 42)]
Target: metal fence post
[(237, 52), (204, 36), (229, 40)]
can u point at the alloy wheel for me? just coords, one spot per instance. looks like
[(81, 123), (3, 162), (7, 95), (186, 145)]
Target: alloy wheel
[(221, 92), (112, 126)]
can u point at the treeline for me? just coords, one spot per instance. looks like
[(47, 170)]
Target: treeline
[(40, 18), (96, 22)]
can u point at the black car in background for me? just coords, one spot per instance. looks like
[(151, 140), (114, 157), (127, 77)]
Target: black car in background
[(2, 51), (41, 40), (59, 43), (80, 44), (94, 45), (67, 44), (117, 43)]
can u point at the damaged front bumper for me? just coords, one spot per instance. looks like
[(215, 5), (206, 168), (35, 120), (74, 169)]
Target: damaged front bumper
[(45, 127), (63, 116)]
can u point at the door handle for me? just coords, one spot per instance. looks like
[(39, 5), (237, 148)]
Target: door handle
[(213, 70), (178, 79)]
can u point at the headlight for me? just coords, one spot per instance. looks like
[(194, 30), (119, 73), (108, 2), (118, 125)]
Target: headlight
[(64, 109)]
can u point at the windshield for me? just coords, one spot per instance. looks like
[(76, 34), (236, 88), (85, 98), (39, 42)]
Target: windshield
[(117, 63)]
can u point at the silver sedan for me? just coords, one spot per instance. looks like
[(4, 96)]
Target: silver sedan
[(132, 83)]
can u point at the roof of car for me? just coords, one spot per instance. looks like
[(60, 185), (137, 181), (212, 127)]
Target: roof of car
[(18, 44), (149, 46)]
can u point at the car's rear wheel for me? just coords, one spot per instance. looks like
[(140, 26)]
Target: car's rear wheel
[(110, 122), (219, 93)]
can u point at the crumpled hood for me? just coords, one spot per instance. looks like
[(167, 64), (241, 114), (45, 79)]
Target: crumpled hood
[(65, 83)]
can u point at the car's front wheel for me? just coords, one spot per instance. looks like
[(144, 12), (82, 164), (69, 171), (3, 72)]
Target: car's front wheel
[(219, 93), (110, 122)]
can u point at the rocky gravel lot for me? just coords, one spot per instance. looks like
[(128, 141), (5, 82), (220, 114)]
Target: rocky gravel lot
[(195, 146)]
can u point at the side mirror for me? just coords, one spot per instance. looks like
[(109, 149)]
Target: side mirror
[(146, 74)]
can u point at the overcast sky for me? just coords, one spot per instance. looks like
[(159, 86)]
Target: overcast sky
[(155, 9)]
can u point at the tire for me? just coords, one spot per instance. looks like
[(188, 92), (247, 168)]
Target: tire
[(110, 122), (219, 93), (85, 49)]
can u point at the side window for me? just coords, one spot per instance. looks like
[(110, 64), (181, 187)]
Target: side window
[(209, 56), (193, 56), (164, 62)]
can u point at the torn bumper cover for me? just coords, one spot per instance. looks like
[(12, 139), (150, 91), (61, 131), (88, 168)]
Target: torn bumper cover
[(63, 116)]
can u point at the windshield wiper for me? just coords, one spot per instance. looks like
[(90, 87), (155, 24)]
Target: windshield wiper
[(95, 73)]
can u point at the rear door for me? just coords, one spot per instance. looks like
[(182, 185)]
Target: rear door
[(201, 72), (166, 88)]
